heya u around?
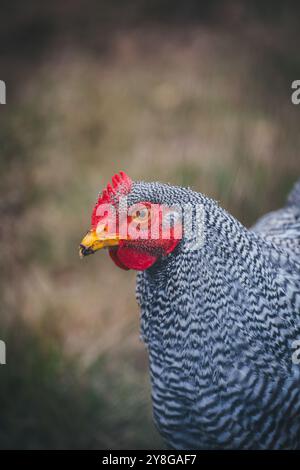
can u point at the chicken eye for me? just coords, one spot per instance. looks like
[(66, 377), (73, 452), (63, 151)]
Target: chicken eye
[(141, 215)]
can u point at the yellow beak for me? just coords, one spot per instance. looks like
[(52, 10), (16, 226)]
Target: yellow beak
[(94, 241)]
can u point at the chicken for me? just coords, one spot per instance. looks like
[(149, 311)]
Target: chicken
[(220, 312)]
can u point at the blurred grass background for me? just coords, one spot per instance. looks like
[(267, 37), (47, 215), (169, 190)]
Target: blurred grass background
[(191, 93)]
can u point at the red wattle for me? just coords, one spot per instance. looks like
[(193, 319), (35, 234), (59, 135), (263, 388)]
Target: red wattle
[(129, 258), (114, 256)]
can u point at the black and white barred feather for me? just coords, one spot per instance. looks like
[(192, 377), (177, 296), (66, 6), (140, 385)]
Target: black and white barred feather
[(220, 323)]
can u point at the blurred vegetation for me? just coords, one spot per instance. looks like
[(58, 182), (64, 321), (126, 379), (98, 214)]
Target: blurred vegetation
[(192, 93)]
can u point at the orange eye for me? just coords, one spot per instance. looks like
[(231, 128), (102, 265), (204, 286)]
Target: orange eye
[(141, 215)]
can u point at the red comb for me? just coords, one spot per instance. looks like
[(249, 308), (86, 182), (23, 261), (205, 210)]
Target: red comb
[(121, 185)]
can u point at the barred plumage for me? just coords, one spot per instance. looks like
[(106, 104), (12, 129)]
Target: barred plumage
[(221, 317), (219, 324)]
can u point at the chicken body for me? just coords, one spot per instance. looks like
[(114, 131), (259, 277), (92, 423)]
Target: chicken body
[(220, 324)]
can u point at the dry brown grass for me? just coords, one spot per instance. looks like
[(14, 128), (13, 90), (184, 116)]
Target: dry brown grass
[(187, 109)]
